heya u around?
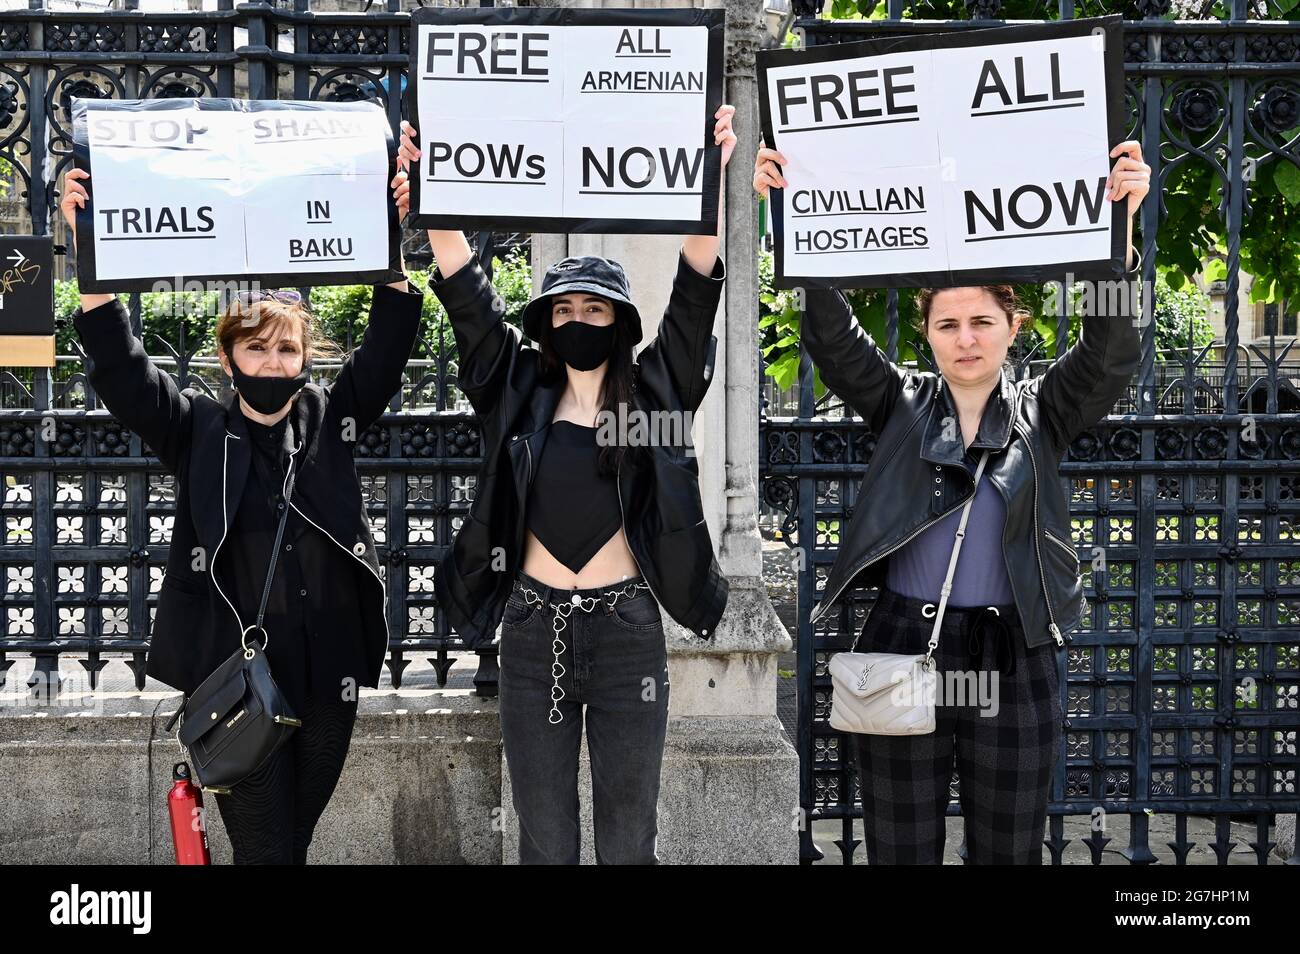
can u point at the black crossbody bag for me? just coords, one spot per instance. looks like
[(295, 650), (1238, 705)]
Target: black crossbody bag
[(237, 718)]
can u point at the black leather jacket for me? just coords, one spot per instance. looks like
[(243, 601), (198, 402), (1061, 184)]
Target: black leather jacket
[(663, 517), (916, 475)]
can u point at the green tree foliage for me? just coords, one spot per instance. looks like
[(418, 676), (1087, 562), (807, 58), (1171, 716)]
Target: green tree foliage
[(341, 311)]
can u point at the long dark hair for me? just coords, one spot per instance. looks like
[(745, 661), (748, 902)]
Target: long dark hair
[(616, 389)]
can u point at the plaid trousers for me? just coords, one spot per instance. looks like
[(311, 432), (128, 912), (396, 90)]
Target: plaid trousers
[(1004, 752)]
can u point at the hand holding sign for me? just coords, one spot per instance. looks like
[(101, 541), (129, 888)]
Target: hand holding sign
[(1130, 176), (701, 251), (401, 193), (767, 170), (450, 247), (723, 134), (74, 197), (407, 152)]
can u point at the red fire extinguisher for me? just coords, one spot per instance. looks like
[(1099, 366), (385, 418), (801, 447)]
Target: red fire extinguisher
[(189, 825)]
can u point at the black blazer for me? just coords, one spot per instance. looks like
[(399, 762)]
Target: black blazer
[(204, 443)]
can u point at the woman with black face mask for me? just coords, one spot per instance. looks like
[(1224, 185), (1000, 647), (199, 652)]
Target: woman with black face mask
[(277, 445), (584, 521)]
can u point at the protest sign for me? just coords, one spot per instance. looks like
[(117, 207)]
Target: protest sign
[(954, 159), (565, 120), (281, 192)]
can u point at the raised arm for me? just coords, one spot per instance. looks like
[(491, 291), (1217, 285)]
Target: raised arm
[(373, 372), (848, 358), (1081, 386), (684, 343), (701, 251), (74, 197), (141, 396), (485, 345)]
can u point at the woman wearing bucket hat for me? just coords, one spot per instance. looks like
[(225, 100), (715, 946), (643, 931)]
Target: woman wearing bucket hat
[(579, 531)]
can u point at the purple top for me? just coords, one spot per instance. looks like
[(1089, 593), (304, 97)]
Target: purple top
[(918, 569)]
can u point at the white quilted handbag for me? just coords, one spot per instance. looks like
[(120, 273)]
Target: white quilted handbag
[(894, 693)]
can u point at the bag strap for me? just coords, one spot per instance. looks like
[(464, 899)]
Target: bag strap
[(266, 590), (952, 565), (275, 550), (952, 562)]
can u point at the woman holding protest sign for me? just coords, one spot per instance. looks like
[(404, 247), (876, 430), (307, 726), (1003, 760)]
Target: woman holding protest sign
[(278, 447), (1000, 606), (579, 530)]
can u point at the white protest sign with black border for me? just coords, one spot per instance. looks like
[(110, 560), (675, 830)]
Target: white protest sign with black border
[(948, 159), (286, 193), (563, 120)]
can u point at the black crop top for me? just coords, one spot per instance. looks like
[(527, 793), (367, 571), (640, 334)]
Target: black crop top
[(572, 509)]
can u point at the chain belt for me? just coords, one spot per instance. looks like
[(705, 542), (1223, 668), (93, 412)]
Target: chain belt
[(560, 622)]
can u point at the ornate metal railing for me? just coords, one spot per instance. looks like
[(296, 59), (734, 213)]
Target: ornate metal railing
[(1181, 689), (85, 512)]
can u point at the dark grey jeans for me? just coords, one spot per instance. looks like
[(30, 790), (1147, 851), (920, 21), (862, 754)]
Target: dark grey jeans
[(604, 659)]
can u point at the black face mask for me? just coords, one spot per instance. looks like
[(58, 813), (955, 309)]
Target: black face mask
[(266, 395), (583, 347)]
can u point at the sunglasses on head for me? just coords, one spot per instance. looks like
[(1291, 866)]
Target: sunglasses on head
[(286, 297), (244, 301)]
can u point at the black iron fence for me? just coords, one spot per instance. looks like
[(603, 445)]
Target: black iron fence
[(1174, 369), (1181, 689), (85, 512)]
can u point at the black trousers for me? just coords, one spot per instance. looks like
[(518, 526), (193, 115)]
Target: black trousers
[(997, 721), (605, 664), (271, 815)]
